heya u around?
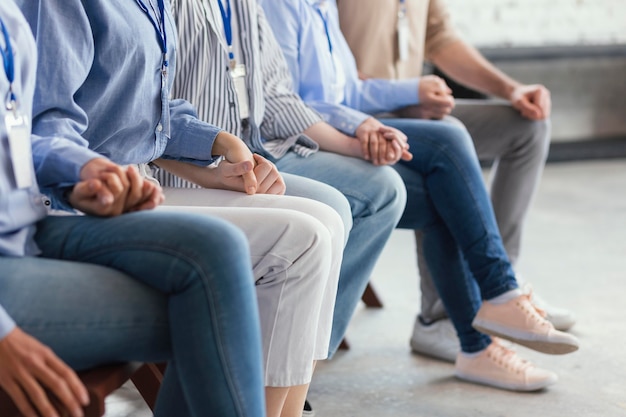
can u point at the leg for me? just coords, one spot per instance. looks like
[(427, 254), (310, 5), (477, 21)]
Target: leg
[(519, 148), (376, 196), (272, 259), (211, 304)]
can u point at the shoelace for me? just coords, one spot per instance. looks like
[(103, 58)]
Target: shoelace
[(533, 311), (507, 358)]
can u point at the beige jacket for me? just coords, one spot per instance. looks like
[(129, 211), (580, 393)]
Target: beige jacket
[(370, 27)]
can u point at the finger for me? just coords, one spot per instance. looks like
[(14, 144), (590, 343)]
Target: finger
[(19, 399), (278, 188), (249, 183), (37, 396), (67, 374), (364, 139), (237, 169), (135, 187), (373, 148)]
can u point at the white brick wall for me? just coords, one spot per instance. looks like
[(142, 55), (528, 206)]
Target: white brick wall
[(489, 23)]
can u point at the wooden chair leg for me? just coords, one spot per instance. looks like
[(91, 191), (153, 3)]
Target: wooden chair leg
[(147, 380), (370, 298)]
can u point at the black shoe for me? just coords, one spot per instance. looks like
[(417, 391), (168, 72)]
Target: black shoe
[(307, 411)]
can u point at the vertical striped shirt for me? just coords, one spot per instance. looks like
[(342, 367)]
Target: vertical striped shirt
[(278, 116)]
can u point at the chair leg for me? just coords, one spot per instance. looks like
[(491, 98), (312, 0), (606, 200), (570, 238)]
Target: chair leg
[(147, 380), (370, 298)]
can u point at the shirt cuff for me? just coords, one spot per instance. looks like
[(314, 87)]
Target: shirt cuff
[(6, 323), (405, 92)]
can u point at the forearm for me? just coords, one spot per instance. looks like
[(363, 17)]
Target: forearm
[(332, 140), (466, 65), (203, 176)]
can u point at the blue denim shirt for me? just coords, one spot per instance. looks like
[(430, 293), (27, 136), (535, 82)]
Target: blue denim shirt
[(100, 85), (20, 208), (307, 42)]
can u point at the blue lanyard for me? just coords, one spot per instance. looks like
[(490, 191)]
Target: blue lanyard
[(324, 19), (7, 58), (228, 29), (159, 26)]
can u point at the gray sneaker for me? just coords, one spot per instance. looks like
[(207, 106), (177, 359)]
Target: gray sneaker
[(437, 340)]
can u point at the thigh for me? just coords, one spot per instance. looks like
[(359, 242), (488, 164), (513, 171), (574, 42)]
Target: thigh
[(494, 125), (366, 186), (302, 197), (87, 314)]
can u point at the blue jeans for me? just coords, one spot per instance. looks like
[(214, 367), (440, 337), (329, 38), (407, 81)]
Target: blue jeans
[(377, 198), (192, 303), (447, 199)]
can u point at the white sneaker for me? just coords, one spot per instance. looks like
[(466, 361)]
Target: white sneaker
[(437, 340), (500, 367), (560, 318)]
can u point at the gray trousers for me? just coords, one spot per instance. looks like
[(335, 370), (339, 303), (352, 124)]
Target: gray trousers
[(518, 148)]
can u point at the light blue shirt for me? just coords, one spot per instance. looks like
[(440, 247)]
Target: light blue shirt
[(315, 52), (100, 85), (20, 208)]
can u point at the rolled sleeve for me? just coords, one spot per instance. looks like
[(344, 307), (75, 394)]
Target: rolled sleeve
[(378, 95)]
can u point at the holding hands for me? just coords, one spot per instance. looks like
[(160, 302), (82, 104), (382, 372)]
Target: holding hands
[(107, 189), (241, 170), (380, 144)]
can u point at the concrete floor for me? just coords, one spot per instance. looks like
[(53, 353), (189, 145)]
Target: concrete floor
[(574, 255)]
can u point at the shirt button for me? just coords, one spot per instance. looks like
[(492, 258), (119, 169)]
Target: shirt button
[(159, 127)]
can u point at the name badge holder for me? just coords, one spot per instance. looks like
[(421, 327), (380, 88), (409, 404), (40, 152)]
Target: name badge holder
[(404, 32), (17, 123), (237, 71)]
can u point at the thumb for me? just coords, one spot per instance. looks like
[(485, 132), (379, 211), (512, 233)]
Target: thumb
[(236, 169)]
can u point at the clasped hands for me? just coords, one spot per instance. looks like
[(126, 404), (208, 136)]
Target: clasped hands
[(107, 189), (380, 144)]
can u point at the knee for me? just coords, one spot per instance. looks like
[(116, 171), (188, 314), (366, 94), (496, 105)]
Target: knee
[(537, 138), (385, 190)]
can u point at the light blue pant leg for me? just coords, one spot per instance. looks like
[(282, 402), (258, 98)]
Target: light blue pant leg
[(202, 265), (451, 205), (377, 198)]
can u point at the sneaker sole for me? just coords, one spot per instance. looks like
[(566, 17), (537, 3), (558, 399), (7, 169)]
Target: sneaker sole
[(511, 387), (544, 346)]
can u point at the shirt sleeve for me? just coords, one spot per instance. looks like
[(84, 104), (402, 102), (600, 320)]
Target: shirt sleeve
[(285, 112), (192, 139), (6, 323), (378, 95), (439, 29), (59, 150)]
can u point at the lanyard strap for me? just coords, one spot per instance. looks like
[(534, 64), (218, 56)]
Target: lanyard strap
[(159, 26), (228, 28), (7, 58), (325, 20)]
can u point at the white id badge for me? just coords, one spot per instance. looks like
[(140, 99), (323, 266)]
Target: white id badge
[(239, 78), (403, 37), (18, 130)]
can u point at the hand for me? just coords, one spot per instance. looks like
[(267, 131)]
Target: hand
[(235, 151), (380, 144), (435, 98), (108, 189), (270, 181), (399, 143), (29, 369), (532, 101)]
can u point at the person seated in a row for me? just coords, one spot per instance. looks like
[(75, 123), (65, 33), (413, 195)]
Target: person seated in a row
[(447, 200), (295, 243)]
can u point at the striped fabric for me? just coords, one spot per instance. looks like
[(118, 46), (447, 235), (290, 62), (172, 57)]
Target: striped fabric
[(277, 114)]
